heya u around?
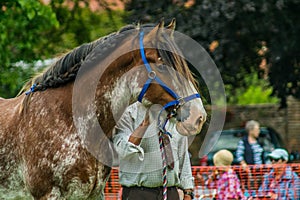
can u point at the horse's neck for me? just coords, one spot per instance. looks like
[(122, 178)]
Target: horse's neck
[(110, 83), (121, 90)]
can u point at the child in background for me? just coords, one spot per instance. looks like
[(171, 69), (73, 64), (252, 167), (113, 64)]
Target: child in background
[(227, 182)]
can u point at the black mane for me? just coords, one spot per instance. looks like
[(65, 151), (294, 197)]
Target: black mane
[(66, 67)]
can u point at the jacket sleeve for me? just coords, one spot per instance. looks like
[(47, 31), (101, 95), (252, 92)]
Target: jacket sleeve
[(186, 177), (240, 151), (121, 134)]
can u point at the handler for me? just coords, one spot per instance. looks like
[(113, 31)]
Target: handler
[(137, 142)]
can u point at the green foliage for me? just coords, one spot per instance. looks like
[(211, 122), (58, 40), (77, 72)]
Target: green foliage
[(256, 91), (82, 26), (31, 31), (22, 26), (240, 28), (79, 25)]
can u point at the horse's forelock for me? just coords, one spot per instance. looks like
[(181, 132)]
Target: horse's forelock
[(171, 54)]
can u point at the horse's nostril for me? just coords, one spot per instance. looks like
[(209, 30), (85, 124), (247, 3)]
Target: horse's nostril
[(201, 118)]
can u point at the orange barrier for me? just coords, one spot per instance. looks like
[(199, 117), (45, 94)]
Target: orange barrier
[(250, 178), (112, 189)]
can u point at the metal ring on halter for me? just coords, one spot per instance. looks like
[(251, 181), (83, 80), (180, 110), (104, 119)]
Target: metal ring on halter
[(152, 75), (181, 101)]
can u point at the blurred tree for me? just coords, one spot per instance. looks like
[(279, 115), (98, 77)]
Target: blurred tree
[(256, 91), (80, 24), (234, 32), (31, 30), (22, 25)]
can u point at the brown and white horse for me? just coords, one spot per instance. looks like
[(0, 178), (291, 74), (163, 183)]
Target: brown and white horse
[(49, 148)]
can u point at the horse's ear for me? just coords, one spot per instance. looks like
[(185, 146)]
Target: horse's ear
[(161, 23), (172, 25), (156, 31), (159, 28)]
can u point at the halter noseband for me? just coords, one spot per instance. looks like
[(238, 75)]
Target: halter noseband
[(178, 102)]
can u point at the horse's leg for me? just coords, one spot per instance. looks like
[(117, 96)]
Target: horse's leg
[(39, 180)]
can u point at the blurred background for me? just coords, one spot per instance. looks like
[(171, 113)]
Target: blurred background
[(254, 43)]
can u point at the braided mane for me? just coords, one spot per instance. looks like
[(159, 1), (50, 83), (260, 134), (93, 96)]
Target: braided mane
[(65, 69)]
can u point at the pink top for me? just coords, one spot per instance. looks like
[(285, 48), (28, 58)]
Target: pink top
[(228, 186)]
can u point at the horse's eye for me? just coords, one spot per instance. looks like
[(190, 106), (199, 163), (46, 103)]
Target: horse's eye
[(159, 59), (161, 68)]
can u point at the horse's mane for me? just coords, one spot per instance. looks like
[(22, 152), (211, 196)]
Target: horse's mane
[(65, 69), (172, 56)]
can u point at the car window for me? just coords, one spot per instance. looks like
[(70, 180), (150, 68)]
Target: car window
[(266, 142), (229, 140), (226, 141)]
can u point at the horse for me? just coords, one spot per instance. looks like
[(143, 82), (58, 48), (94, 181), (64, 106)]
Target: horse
[(49, 148)]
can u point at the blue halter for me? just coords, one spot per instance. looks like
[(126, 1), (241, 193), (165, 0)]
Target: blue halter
[(178, 102)]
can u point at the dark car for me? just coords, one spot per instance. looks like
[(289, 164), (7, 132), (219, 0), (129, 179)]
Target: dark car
[(229, 139)]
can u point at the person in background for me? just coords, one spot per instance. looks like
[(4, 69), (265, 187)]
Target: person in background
[(225, 179), (281, 183), (136, 141), (249, 150)]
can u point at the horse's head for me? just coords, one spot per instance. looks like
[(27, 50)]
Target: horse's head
[(141, 64), (164, 78)]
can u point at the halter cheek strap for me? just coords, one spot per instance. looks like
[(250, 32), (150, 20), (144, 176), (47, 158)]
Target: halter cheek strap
[(151, 74)]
